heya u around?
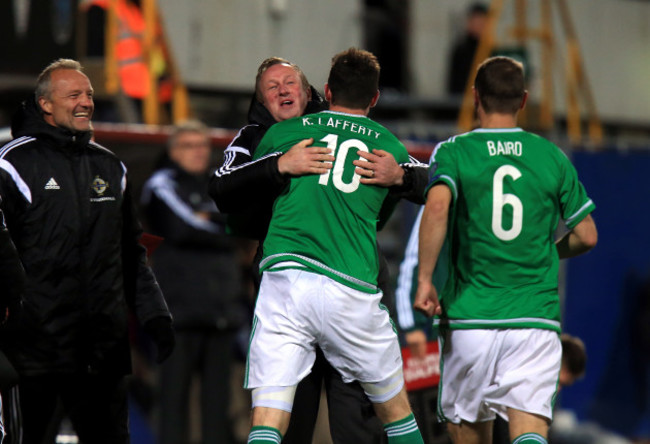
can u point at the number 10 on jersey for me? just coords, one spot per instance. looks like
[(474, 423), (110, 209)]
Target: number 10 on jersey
[(341, 153)]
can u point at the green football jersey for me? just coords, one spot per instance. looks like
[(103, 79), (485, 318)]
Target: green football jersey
[(328, 223), (510, 188)]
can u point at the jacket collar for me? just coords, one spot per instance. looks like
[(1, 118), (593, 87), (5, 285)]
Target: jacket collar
[(28, 121)]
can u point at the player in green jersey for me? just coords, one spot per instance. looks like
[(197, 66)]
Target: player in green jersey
[(497, 194), (320, 265)]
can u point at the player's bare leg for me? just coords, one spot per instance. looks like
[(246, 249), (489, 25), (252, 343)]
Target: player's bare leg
[(398, 420), (269, 425), (524, 425), (471, 432)]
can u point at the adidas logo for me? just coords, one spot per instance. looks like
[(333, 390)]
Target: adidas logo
[(52, 185)]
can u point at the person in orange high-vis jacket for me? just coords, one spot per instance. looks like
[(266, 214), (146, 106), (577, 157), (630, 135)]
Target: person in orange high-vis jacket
[(133, 71)]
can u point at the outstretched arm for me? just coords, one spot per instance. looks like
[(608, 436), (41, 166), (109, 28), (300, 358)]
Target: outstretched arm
[(433, 230), (582, 238)]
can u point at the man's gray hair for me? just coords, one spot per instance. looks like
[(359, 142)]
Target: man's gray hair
[(188, 126), (45, 77)]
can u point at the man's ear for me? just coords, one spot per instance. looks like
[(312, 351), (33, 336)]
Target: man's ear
[(45, 105), (328, 93), (523, 101), (374, 100)]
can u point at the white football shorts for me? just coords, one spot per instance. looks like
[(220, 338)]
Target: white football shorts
[(296, 310), (483, 372)]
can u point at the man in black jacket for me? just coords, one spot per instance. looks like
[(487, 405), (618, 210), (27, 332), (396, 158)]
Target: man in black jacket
[(198, 270), (246, 190), (69, 211), (12, 276), (12, 282)]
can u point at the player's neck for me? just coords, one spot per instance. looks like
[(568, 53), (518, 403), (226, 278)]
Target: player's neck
[(343, 109), (498, 120)]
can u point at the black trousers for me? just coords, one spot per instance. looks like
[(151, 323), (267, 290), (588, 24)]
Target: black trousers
[(208, 353), (351, 414), (97, 406)]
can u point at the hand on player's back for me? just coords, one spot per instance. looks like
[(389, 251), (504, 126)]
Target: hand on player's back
[(379, 168), (302, 159)]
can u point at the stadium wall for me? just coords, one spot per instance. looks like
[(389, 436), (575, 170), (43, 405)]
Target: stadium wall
[(608, 296)]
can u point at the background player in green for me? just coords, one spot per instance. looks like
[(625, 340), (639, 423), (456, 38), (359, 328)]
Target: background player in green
[(320, 265), (497, 194)]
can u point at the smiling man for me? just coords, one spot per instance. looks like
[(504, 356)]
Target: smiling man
[(69, 212)]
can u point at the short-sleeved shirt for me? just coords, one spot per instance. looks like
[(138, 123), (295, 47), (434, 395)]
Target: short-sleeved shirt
[(327, 223), (510, 188)]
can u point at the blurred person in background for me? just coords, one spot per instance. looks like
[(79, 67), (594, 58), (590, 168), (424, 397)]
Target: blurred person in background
[(246, 190), (68, 208), (574, 360), (462, 53), (198, 271), (133, 71), (416, 330)]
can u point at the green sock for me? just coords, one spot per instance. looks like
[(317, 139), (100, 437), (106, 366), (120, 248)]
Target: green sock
[(530, 438), (404, 431), (263, 434)]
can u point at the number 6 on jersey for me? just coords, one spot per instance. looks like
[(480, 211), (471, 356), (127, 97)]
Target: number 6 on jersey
[(500, 200)]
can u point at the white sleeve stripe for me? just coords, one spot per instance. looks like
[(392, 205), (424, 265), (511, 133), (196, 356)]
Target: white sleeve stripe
[(123, 181), (404, 290), (234, 139), (98, 146), (225, 168), (435, 151), (20, 183), (413, 162), (237, 149), (161, 185), (414, 165), (14, 144), (577, 213)]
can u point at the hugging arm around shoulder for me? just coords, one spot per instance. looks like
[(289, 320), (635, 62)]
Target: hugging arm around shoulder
[(416, 178), (241, 183)]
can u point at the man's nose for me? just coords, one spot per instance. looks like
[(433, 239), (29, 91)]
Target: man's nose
[(86, 100)]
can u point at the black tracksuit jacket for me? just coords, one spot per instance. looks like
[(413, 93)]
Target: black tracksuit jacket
[(70, 214), (12, 275), (197, 264)]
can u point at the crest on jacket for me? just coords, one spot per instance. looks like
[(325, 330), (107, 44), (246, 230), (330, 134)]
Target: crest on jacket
[(99, 185)]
